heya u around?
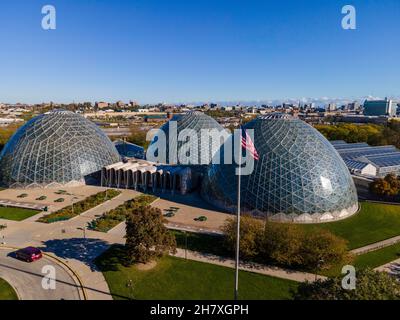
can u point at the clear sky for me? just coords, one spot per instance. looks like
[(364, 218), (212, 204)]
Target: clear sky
[(197, 50)]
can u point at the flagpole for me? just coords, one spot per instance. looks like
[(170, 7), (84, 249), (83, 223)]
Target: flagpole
[(238, 216)]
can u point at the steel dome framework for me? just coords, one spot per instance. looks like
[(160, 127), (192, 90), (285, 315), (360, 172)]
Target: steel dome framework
[(55, 148), (196, 121), (300, 177)]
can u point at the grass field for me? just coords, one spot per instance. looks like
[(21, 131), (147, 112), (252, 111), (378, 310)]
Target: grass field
[(375, 222), (16, 214), (175, 279), (6, 291), (379, 257)]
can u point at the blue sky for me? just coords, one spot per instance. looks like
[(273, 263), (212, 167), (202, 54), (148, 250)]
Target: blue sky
[(204, 50)]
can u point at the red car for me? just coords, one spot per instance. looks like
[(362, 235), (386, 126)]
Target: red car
[(29, 254)]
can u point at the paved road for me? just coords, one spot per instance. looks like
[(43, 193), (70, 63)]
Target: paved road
[(69, 243), (27, 278)]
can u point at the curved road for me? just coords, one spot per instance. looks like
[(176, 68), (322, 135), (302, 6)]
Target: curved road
[(26, 278)]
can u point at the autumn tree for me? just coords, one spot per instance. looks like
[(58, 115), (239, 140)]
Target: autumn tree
[(285, 244), (370, 285), (389, 186), (281, 243), (146, 235), (250, 234), (320, 249)]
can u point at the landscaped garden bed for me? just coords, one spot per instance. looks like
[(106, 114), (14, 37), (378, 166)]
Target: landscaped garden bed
[(80, 207), (114, 217)]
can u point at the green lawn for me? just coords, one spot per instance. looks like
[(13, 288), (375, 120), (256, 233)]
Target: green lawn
[(16, 214), (379, 257), (6, 291), (371, 260), (375, 222), (177, 279)]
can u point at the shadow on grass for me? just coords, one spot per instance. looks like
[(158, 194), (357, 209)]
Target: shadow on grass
[(111, 259)]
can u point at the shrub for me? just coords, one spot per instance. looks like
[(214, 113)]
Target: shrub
[(23, 195), (79, 207), (112, 218), (281, 243), (389, 186), (250, 236), (285, 244), (370, 285), (320, 249)]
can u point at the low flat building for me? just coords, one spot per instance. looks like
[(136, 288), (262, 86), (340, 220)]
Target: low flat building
[(385, 107), (365, 160)]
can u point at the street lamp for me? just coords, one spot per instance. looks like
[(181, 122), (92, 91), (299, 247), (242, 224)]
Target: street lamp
[(84, 231)]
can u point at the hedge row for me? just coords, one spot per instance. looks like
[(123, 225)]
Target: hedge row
[(79, 207), (114, 217)]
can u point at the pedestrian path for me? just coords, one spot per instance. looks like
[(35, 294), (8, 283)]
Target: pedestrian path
[(376, 245)]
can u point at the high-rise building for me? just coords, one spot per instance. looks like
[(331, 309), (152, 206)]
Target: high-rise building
[(385, 107), (331, 107)]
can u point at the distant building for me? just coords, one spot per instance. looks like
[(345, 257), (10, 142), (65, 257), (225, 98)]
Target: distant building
[(354, 106), (101, 105), (331, 107), (120, 104), (133, 103), (385, 107)]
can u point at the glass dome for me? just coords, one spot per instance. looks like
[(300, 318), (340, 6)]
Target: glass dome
[(196, 121), (299, 177), (55, 148)]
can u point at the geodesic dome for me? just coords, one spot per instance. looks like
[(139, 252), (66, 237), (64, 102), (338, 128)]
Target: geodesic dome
[(55, 148), (197, 122), (299, 176)]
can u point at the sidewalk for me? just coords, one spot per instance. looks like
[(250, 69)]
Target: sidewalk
[(376, 245)]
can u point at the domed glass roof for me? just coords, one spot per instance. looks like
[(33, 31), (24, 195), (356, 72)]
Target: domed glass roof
[(58, 147), (299, 176), (196, 121)]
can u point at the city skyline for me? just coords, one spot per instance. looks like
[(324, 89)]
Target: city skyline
[(153, 51)]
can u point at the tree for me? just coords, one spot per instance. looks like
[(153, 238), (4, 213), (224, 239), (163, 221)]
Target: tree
[(320, 249), (281, 243), (146, 235), (370, 285), (285, 244), (389, 186), (250, 233)]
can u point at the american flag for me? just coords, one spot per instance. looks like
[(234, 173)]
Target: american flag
[(248, 144)]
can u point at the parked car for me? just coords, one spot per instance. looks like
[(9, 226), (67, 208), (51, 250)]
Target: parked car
[(29, 254)]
